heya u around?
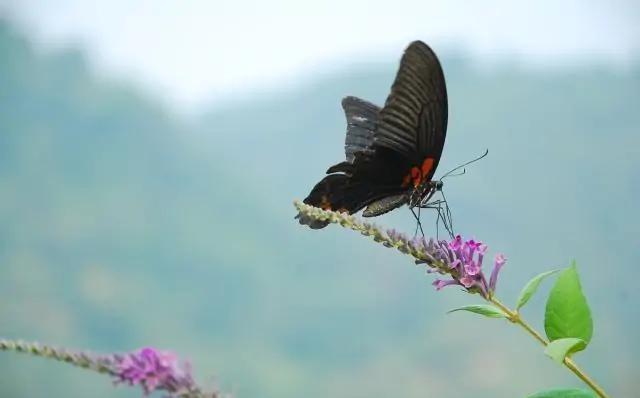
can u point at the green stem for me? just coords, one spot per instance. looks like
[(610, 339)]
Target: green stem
[(514, 317), (81, 360)]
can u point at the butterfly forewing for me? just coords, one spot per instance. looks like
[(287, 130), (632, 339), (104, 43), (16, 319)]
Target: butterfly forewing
[(413, 120)]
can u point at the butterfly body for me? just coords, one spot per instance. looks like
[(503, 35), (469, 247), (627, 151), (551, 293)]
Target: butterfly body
[(391, 152)]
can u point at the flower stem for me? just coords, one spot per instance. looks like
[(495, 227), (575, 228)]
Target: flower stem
[(81, 360), (514, 316)]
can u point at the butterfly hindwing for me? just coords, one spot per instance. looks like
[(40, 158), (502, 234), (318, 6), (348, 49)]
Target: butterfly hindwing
[(337, 192), (385, 205), (362, 119)]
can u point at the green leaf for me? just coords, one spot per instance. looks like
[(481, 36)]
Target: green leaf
[(531, 287), (559, 349), (567, 313), (564, 393), (482, 309)]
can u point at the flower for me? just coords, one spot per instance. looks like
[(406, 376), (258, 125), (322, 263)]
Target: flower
[(462, 260), (499, 262), (153, 370), (456, 243), (439, 284), (467, 281), (472, 268)]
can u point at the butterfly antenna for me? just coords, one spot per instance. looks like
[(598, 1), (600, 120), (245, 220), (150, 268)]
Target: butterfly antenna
[(449, 173), (464, 171)]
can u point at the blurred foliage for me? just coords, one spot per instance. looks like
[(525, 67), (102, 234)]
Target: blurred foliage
[(123, 226)]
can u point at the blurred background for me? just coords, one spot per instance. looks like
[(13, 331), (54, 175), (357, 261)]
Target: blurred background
[(150, 152)]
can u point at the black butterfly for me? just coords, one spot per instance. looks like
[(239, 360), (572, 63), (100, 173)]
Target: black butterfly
[(391, 152)]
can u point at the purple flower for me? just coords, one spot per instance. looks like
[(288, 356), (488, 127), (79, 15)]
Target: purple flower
[(154, 370), (456, 243), (462, 259), (473, 245), (472, 268), (467, 281), (395, 235), (499, 261), (439, 284)]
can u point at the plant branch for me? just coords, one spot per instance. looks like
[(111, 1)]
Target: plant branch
[(515, 317), (81, 360)]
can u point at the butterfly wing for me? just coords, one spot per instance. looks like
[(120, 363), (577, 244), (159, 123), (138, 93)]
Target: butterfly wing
[(369, 179), (362, 119), (413, 120), (385, 205)]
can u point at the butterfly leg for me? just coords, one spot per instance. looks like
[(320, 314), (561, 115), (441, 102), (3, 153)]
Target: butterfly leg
[(446, 218), (444, 214), (418, 223), (438, 223), (449, 216), (438, 208)]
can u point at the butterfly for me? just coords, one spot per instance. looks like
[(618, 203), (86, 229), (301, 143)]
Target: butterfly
[(391, 152)]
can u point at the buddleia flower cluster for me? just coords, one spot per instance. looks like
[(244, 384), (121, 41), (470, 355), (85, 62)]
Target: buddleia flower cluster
[(151, 369), (460, 260)]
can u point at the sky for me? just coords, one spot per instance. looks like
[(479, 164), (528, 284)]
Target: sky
[(195, 53)]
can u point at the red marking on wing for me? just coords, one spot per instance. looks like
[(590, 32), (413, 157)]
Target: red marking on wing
[(427, 165), (406, 180), (324, 203), (417, 175)]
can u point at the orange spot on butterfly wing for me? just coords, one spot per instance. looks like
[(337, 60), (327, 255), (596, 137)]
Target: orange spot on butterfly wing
[(427, 165), (416, 176), (406, 180), (324, 203)]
